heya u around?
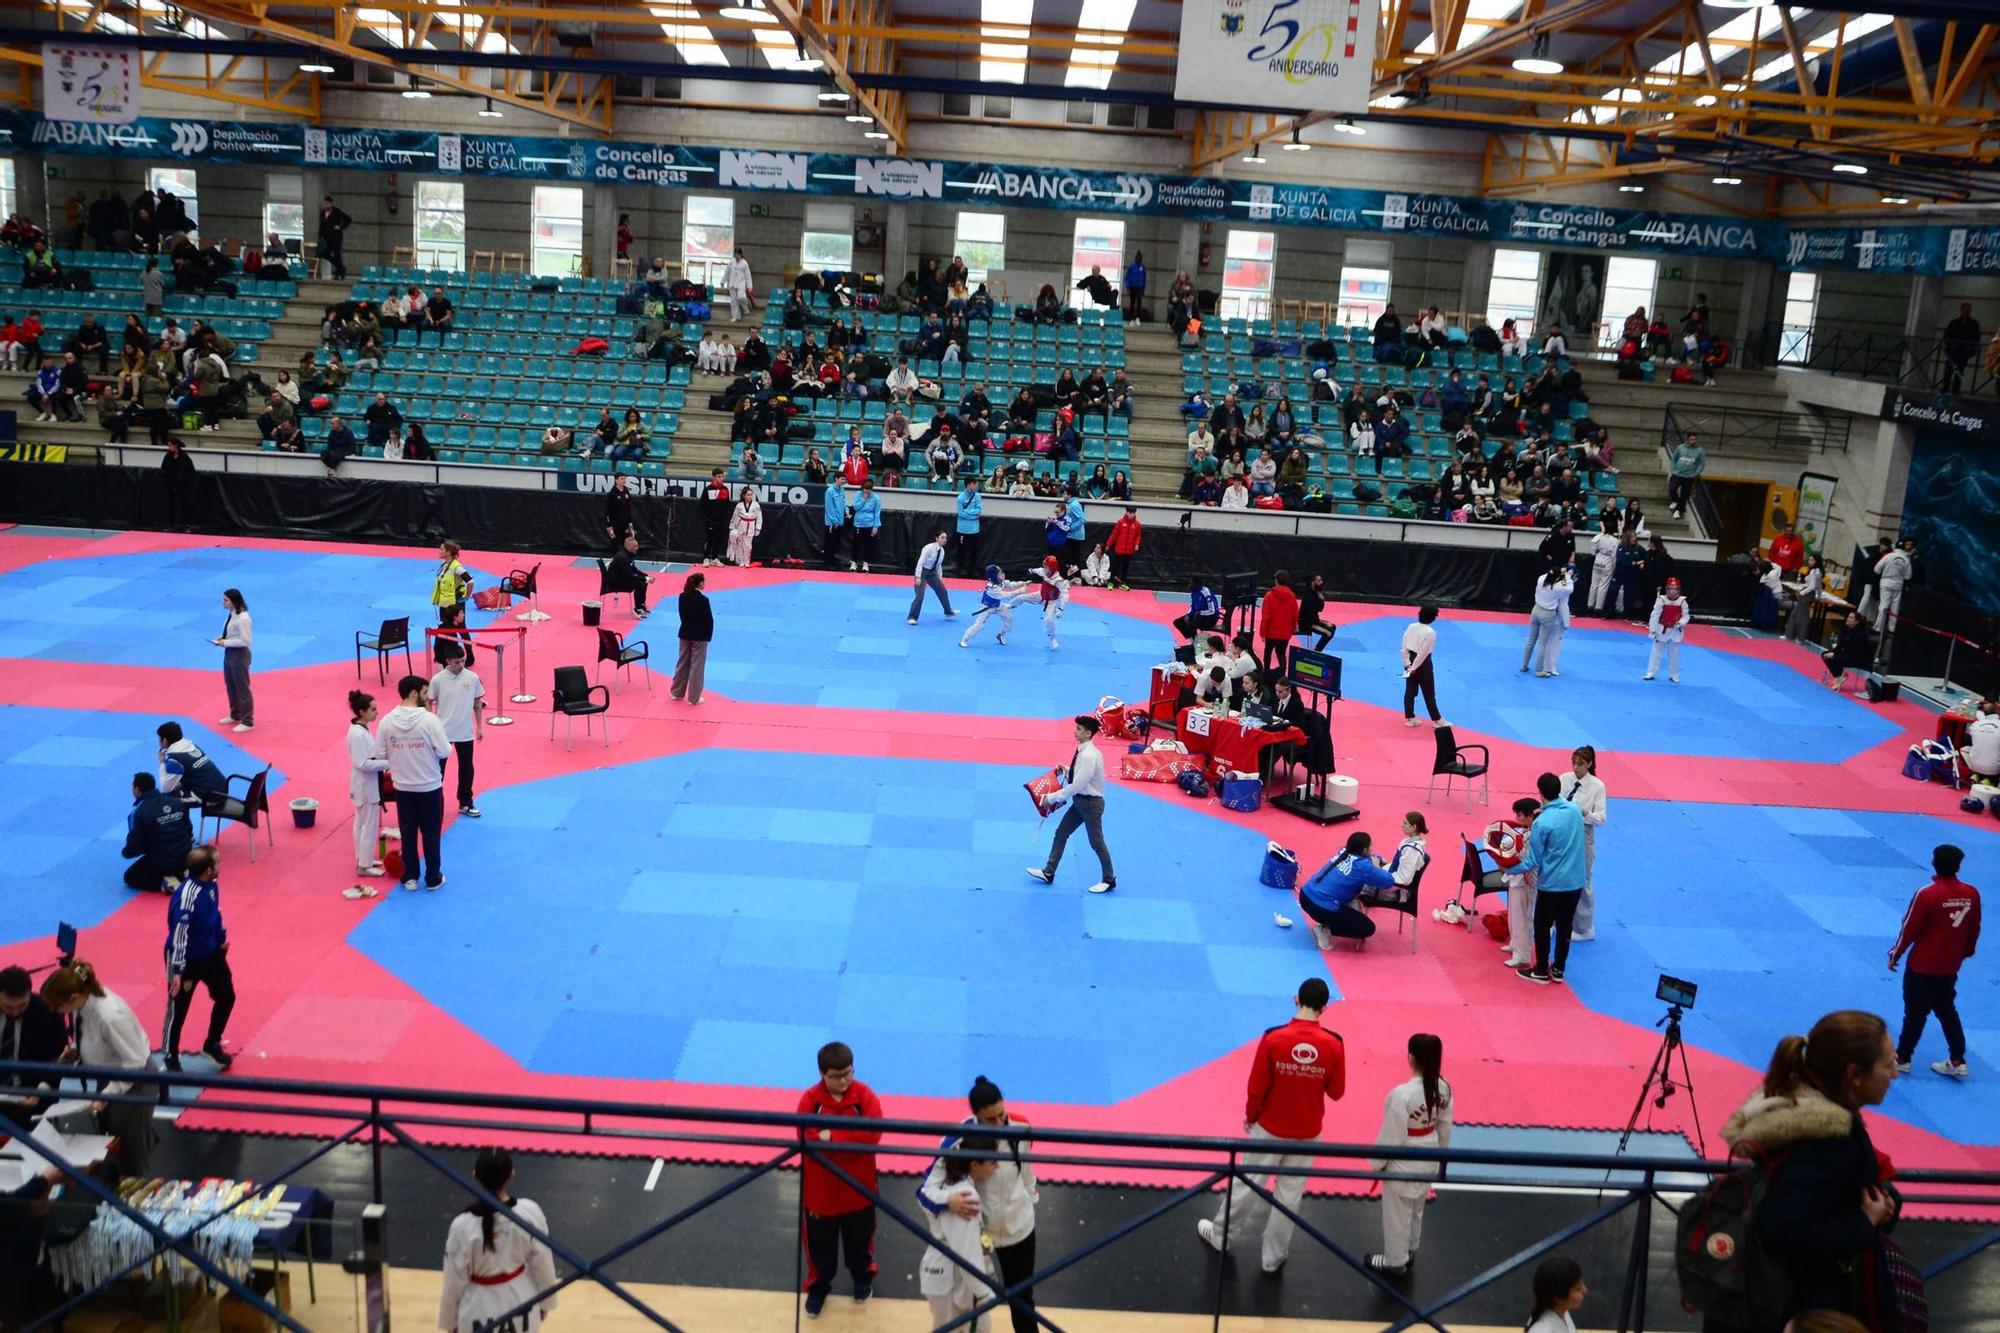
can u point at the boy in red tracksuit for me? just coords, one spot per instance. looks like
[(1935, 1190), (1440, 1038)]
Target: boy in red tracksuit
[(1281, 622), (1940, 931), (837, 1216), (1298, 1066), (1122, 545)]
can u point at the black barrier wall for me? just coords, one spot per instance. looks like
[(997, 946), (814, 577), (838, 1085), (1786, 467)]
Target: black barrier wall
[(409, 514)]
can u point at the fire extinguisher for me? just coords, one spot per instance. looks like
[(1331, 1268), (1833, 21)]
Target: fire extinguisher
[(389, 200), (1202, 254)]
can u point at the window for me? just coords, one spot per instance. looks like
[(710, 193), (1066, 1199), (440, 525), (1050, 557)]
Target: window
[(6, 187), (982, 243), (558, 237), (1364, 282), (828, 242), (1100, 243), (1517, 277), (1247, 273), (284, 211), (1628, 285), (439, 224), (1801, 308), (179, 180), (708, 238)]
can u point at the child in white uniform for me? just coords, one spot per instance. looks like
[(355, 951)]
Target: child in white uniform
[(1668, 626), (490, 1264), (1559, 1290), (996, 598), (745, 522), (1582, 788), (364, 783), (949, 1288), (1416, 1114), (1054, 593)]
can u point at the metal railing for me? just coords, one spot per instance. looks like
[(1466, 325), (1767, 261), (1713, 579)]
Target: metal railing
[(1927, 363), (1750, 430), (330, 1115)]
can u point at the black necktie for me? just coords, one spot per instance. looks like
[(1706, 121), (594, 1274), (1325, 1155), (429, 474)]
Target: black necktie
[(1072, 764), (10, 1039)]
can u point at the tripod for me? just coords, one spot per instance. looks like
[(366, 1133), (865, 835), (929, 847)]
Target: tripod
[(1661, 1073)]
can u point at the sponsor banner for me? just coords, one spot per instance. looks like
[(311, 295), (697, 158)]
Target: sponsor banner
[(1897, 251), (15, 451), (1815, 509), (1970, 418), (91, 85), (1299, 55), (690, 488)]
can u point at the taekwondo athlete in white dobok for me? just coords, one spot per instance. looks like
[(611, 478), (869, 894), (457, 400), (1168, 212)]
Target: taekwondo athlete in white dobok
[(996, 598), (364, 784), (950, 1289), (930, 574), (1005, 1204), (1603, 564), (737, 279), (1895, 570), (490, 1264), (1416, 1114), (1668, 626), (1582, 788), (745, 522), (1054, 592)]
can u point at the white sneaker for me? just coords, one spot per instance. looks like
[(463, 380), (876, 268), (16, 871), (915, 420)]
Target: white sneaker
[(1036, 872), (1675, 679), (1409, 722), (913, 620), (409, 886), (1322, 936), (375, 869), (225, 722), (963, 644), (1585, 935), (1102, 886), (1950, 1069), (244, 726), (1053, 645), (1206, 1230), (1647, 676)]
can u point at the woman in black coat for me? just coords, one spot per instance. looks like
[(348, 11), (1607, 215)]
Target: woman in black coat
[(697, 628)]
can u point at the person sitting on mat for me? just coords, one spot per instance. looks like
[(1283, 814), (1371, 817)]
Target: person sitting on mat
[(1328, 897), (158, 833)]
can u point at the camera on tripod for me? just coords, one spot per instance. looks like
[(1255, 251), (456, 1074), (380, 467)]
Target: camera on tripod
[(1672, 990)]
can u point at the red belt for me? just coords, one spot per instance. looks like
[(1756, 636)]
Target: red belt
[(1423, 1133), (496, 1280)]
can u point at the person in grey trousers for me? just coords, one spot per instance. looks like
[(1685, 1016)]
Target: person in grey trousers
[(697, 628), (1084, 790), (235, 645), (930, 574)]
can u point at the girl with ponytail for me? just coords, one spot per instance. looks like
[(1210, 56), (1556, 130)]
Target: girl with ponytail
[(1004, 1201), (1829, 1206), (364, 788), (108, 1036), (1559, 1289), (1416, 1114), (491, 1264)]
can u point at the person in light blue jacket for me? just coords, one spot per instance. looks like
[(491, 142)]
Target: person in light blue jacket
[(971, 505), (867, 524), (1078, 547), (1556, 858), (836, 523)]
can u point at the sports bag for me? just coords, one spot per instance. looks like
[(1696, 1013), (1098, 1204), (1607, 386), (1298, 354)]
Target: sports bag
[(697, 312), (1156, 766), (1111, 718), (1243, 795), (1268, 502), (1281, 868), (1192, 783), (1725, 1272)]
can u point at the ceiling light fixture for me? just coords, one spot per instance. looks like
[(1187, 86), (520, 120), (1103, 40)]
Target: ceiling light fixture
[(832, 95), (1739, 4), (1295, 146), (1537, 60), (315, 67), (1349, 127), (1850, 168), (875, 134), (1255, 157), (858, 118), (416, 94), (1631, 189), (489, 111), (1726, 180), (1894, 199)]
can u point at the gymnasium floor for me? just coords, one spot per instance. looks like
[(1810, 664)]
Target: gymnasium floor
[(832, 845)]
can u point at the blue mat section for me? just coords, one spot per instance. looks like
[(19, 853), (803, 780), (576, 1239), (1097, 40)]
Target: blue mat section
[(1526, 1139), (749, 906), (68, 778), (846, 645), (1726, 706), (162, 609), (1779, 916)]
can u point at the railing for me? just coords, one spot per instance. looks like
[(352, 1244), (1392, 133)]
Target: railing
[(330, 1115), (1928, 363), (1749, 430)]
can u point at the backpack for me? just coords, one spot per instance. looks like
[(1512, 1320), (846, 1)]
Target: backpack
[(1724, 1270), (1193, 783)]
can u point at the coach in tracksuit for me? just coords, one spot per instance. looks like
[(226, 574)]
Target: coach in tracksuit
[(158, 833), (1940, 931), (1556, 857), (970, 506), (198, 953), (185, 771), (1005, 1205), (1298, 1067)]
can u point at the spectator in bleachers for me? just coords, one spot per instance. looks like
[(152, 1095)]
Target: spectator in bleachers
[(633, 437), (1431, 328), (1208, 489), (1387, 335), (1236, 492), (59, 387), (416, 444), (750, 465), (1048, 305), (145, 232), (11, 351), (338, 451), (368, 356), (382, 417), (153, 391), (902, 382), (39, 267), (394, 310), (277, 409), (1284, 426), (1118, 395), (1255, 429), (1121, 486), (1686, 462), (1597, 451), (439, 314), (815, 468), (1361, 435), (1392, 434), (362, 326), (333, 225), (1263, 474), (112, 415), (1512, 341), (337, 434)]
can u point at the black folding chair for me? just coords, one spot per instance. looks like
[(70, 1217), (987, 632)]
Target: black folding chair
[(394, 634)]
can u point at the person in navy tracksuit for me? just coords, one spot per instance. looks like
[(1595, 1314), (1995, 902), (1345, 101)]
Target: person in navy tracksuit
[(1204, 610), (198, 954), (159, 834)]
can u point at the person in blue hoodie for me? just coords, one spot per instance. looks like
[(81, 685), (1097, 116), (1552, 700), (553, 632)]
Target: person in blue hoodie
[(198, 954), (1556, 858), (1328, 897), (158, 833), (1073, 522), (970, 507), (836, 524), (1204, 610), (186, 771), (867, 525)]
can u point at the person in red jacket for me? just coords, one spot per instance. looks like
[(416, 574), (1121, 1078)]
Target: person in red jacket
[(1298, 1065), (1281, 622), (1122, 545), (1788, 551), (838, 1217), (1940, 931)]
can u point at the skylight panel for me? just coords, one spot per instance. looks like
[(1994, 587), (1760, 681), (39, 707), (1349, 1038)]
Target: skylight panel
[(1109, 21)]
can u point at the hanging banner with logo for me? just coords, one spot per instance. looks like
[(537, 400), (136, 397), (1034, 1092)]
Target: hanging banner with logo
[(1295, 55), (1967, 418), (1898, 251), (1815, 509), (96, 85)]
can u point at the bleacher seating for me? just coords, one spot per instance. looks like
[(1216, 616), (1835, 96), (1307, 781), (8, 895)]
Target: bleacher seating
[(246, 318), (487, 390), (1226, 361), (1004, 355)]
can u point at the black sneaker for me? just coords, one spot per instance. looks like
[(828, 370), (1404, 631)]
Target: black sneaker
[(1556, 975), (223, 1059), (1534, 974), (815, 1302), (862, 1291)]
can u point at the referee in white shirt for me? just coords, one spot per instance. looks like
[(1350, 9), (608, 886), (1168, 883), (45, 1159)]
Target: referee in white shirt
[(930, 574), (1085, 794)]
